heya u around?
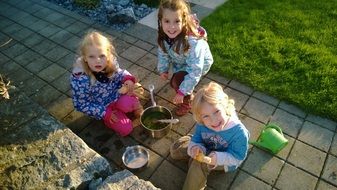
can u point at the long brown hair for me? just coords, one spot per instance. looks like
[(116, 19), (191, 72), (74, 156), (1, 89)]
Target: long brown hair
[(97, 39), (188, 28)]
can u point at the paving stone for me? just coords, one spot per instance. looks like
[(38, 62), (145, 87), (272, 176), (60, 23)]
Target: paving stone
[(201, 11), (120, 45), (333, 149), (32, 8), (330, 170), (27, 57), (20, 76), (217, 78), (239, 97), (127, 38), (46, 95), (167, 92), (72, 44), (185, 124), (39, 25), (202, 82), (32, 40), (15, 50), (167, 176), (240, 87), (77, 27), (43, 13), (322, 185), (138, 30), (21, 34), (32, 85), (316, 136), (154, 51), (246, 181), (52, 72), (38, 65), (263, 165), (44, 46), (144, 45), (61, 107), (67, 61), (289, 123), (220, 179), (49, 30), (27, 20), (266, 98), (292, 178), (9, 67), (3, 59), (4, 22), (324, 122), (258, 110), (9, 30), (61, 37), (155, 80), (149, 61), (55, 18), (139, 72), (133, 53), (62, 83), (283, 154), (76, 121), (254, 127), (292, 109), (307, 158), (57, 53)]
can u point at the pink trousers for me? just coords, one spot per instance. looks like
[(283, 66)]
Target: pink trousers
[(125, 104)]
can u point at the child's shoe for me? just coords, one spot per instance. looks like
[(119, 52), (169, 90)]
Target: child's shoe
[(183, 109)]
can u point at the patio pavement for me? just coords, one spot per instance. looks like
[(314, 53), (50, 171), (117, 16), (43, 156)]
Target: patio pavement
[(38, 46)]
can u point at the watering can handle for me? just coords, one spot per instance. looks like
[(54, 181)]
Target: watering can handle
[(274, 127)]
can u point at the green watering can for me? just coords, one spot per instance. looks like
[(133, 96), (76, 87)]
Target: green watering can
[(271, 139)]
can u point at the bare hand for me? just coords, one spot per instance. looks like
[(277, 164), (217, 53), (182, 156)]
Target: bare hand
[(195, 150), (130, 86), (164, 76), (178, 99), (113, 117)]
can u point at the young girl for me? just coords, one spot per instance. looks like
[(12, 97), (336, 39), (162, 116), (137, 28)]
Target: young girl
[(95, 81), (220, 140), (181, 42)]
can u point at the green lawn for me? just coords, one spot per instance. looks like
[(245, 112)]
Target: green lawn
[(285, 48)]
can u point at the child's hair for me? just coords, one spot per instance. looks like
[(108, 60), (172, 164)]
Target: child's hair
[(188, 23), (97, 39), (213, 94)]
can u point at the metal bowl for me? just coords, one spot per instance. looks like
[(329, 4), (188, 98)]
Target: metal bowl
[(136, 157)]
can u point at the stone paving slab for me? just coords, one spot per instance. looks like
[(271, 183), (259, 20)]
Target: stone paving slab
[(42, 45)]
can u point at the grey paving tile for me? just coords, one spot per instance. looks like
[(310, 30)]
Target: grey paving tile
[(51, 73), (139, 72), (128, 38), (46, 95), (64, 21), (3, 59), (38, 64), (154, 79), (32, 85), (292, 109), (333, 149), (32, 40), (292, 178), (62, 83), (204, 81), (185, 125), (21, 34), (43, 12), (138, 30), (167, 93), (4, 22), (254, 127), (154, 51), (18, 15), (322, 185), (149, 61), (14, 50), (72, 44), (78, 28), (28, 20), (217, 78), (316, 136), (168, 177), (76, 121), (44, 46), (20, 76), (39, 25), (49, 30), (258, 110), (263, 165), (201, 11), (57, 53), (239, 97), (34, 7), (9, 12), (61, 107), (289, 123), (54, 17), (307, 158), (220, 179), (266, 98), (27, 57), (67, 61), (123, 63), (61, 37), (9, 67), (283, 154), (240, 87), (11, 29), (324, 122), (246, 181), (144, 45), (330, 170), (133, 53)]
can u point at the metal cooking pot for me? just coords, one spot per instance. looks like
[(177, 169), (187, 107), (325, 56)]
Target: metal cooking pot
[(164, 128)]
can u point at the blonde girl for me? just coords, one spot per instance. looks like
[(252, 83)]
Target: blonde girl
[(220, 140), (95, 80), (182, 43)]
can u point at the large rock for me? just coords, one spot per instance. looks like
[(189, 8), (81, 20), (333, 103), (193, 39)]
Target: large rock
[(124, 16)]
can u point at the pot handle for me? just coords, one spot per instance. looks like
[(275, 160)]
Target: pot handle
[(151, 88)]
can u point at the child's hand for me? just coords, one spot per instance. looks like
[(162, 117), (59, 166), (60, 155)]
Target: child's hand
[(178, 99), (164, 76), (195, 150), (130, 86), (113, 117)]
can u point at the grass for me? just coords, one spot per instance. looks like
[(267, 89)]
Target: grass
[(284, 48)]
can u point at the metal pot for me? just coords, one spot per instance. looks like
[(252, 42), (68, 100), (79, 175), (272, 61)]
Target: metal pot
[(136, 157), (161, 129)]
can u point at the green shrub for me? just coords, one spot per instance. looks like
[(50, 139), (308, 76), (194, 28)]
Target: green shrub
[(89, 4), (150, 3)]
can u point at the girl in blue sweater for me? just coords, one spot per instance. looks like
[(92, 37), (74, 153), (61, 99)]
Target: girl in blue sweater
[(182, 44), (220, 140)]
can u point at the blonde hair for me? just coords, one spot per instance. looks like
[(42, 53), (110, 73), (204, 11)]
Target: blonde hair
[(188, 24), (213, 94), (94, 38)]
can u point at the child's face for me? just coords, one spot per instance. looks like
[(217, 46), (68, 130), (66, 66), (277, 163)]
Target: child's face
[(96, 58), (213, 116), (171, 23)]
